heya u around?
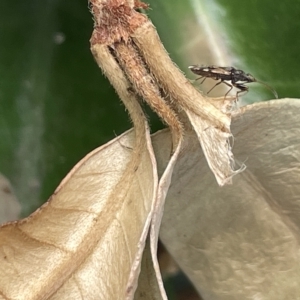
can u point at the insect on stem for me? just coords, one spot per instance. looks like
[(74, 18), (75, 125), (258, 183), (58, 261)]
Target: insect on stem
[(238, 78)]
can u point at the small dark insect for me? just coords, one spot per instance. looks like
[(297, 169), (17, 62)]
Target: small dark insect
[(238, 78)]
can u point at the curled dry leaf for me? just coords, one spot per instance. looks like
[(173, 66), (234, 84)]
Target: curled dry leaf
[(163, 188), (216, 148), (86, 242), (240, 241), (9, 205), (148, 288)]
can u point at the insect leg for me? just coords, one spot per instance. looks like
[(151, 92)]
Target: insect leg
[(204, 78), (242, 88), (215, 86), (231, 87)]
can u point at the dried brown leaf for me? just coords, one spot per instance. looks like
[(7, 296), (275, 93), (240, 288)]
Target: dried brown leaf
[(241, 241), (86, 242), (163, 188)]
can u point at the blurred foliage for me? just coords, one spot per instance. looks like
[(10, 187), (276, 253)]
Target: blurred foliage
[(56, 106)]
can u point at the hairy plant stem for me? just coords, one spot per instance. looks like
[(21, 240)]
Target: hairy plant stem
[(133, 44), (136, 48)]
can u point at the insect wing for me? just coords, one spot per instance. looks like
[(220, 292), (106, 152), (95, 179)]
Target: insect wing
[(221, 70), (214, 72), (202, 71)]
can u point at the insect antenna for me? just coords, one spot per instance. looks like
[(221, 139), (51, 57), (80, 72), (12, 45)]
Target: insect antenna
[(268, 87)]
